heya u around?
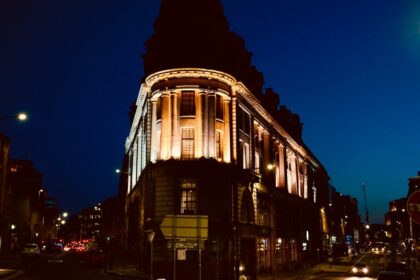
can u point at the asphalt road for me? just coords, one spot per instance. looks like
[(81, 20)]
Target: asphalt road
[(63, 266), (375, 262)]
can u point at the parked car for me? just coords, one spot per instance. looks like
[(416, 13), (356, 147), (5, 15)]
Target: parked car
[(360, 268), (399, 267), (392, 275), (30, 250), (94, 257)]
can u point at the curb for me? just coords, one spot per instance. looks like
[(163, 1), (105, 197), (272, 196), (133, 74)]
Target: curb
[(114, 273), (11, 273)]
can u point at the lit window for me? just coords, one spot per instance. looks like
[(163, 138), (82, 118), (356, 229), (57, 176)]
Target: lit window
[(188, 197), (187, 145), (188, 103)]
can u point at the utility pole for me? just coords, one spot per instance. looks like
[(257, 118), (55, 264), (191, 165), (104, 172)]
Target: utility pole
[(366, 207)]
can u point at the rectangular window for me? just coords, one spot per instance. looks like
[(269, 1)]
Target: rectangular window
[(219, 107), (244, 122), (187, 144), (219, 150), (188, 197), (188, 103), (246, 156)]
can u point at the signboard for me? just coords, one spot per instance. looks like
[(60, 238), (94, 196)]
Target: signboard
[(190, 244), (185, 227), (413, 207)]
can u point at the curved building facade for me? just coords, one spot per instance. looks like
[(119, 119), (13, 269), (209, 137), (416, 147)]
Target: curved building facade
[(202, 144)]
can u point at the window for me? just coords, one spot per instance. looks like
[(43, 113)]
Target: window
[(219, 107), (219, 150), (188, 103), (244, 122), (187, 144), (188, 197)]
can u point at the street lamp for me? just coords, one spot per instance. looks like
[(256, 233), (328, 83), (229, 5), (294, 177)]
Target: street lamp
[(20, 117)]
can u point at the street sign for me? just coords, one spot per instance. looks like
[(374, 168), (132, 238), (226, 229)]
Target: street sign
[(190, 244), (185, 227), (413, 207)]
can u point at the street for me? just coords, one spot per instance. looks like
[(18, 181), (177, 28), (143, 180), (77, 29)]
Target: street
[(375, 263), (58, 266)]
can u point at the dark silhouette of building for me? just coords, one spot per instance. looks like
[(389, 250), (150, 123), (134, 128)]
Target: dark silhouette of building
[(5, 196), (26, 185), (397, 220)]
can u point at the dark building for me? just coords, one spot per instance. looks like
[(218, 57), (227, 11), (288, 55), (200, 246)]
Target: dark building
[(26, 184), (5, 196), (206, 140), (345, 220), (91, 223), (397, 220), (413, 186)]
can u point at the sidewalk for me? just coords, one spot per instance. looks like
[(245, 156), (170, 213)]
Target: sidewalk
[(125, 268), (125, 265), (308, 273), (8, 265)]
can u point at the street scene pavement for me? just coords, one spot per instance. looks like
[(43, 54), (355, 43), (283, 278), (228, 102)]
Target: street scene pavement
[(72, 265)]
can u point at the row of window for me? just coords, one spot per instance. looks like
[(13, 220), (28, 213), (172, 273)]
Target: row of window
[(188, 108), (187, 144)]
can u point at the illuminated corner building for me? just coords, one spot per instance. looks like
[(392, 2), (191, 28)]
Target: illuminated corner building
[(205, 140)]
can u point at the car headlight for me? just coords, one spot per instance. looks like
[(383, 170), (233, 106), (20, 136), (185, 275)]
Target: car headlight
[(365, 270)]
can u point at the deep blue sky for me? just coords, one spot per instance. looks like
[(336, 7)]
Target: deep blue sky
[(350, 68)]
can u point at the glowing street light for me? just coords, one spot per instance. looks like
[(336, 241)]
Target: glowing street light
[(65, 214), (20, 117), (270, 166)]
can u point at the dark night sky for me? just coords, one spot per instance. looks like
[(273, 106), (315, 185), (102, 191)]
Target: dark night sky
[(350, 68)]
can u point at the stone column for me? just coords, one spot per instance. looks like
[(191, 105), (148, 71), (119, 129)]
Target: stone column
[(175, 142), (282, 167), (204, 104), (234, 130), (293, 174), (266, 152), (226, 132), (165, 127), (199, 121), (211, 109), (153, 154)]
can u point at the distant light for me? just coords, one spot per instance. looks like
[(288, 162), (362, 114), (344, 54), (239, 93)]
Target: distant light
[(270, 166), (117, 170), (367, 226), (12, 227), (330, 204), (22, 117), (65, 214), (63, 222)]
